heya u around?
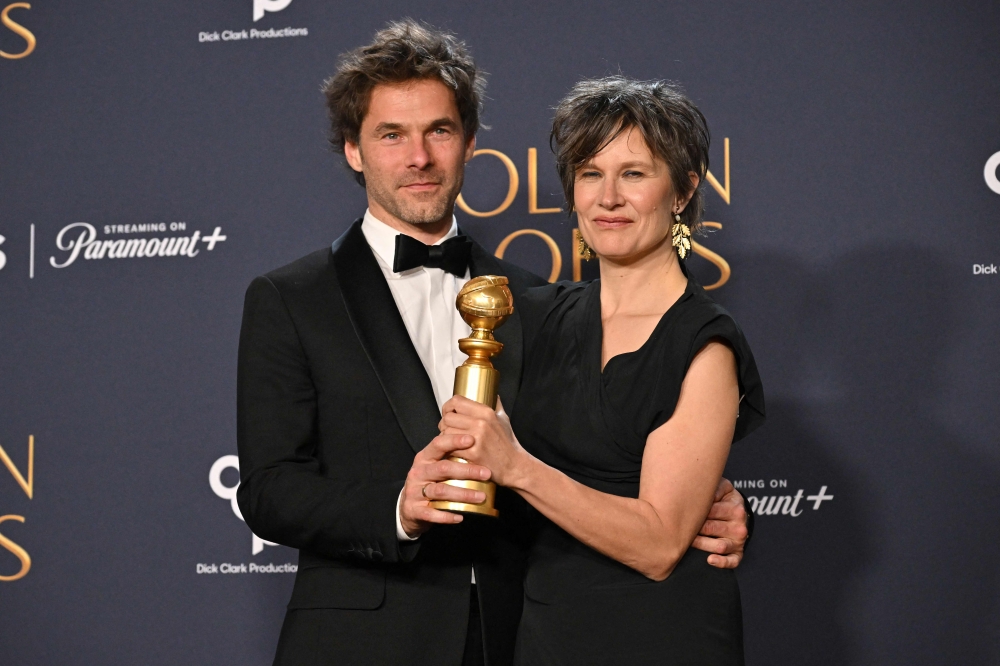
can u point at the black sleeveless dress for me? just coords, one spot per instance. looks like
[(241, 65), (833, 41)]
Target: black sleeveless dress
[(580, 606)]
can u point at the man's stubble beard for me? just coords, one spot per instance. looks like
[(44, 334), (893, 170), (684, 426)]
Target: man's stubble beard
[(426, 212)]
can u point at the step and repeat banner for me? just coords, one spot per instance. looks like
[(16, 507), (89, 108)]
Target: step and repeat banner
[(157, 156)]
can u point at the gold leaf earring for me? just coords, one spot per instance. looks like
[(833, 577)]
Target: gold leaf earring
[(586, 252), (681, 237)]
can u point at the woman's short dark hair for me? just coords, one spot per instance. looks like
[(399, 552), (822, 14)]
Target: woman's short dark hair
[(595, 112), (403, 51)]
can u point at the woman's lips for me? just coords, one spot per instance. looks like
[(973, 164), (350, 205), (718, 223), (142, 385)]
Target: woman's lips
[(612, 222)]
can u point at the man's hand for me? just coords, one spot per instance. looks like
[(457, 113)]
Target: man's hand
[(725, 532), (423, 484)]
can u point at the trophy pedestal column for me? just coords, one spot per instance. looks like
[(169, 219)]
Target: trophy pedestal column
[(477, 381)]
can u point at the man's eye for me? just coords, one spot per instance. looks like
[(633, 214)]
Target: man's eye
[(440, 131), (392, 136)]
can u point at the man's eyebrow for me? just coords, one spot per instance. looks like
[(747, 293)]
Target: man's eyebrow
[(396, 127), (444, 122), (384, 127)]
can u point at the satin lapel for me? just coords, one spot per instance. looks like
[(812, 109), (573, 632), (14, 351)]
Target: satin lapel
[(508, 361), (383, 335)]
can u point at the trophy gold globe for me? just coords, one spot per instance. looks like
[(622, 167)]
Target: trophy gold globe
[(485, 303)]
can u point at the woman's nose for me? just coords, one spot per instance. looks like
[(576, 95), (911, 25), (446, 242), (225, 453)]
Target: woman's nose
[(611, 197)]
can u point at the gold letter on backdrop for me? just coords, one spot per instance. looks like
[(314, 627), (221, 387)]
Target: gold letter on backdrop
[(513, 181), (553, 248), (723, 191), (27, 486), (17, 29), (19, 553), (721, 264), (533, 185)]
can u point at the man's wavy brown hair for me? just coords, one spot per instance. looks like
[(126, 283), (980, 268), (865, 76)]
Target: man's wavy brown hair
[(403, 51), (595, 112)]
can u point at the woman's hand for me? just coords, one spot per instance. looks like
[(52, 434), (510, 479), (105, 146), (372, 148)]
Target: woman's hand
[(496, 447)]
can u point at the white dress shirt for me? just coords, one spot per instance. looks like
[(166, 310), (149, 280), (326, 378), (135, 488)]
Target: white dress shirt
[(426, 301), (425, 298)]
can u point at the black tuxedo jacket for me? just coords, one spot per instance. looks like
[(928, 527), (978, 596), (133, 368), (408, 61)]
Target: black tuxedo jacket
[(332, 405)]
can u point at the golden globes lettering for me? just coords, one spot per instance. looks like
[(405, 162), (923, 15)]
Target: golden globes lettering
[(512, 179), (720, 263), (28, 486), (552, 245), (18, 30), (513, 183), (18, 552), (725, 193)]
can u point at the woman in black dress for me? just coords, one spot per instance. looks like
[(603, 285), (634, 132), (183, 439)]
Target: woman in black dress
[(634, 387)]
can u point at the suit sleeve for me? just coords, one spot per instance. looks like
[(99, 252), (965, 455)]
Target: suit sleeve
[(283, 495)]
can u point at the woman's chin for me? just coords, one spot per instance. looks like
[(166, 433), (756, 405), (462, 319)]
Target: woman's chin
[(624, 254)]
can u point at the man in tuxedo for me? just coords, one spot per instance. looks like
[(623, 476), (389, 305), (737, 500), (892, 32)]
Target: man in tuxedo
[(345, 359)]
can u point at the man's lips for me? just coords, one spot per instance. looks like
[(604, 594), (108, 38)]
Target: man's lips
[(612, 222), (421, 186)]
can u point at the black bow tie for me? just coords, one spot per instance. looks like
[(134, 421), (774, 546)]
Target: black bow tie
[(451, 255)]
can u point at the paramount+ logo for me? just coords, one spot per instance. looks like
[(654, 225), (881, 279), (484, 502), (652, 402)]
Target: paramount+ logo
[(774, 498), (79, 240)]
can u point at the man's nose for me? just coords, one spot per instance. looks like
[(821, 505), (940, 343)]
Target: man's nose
[(418, 157)]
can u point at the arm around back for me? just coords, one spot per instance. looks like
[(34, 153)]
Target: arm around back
[(285, 494)]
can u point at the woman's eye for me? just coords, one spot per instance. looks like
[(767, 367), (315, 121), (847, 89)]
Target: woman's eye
[(588, 174), (633, 174)]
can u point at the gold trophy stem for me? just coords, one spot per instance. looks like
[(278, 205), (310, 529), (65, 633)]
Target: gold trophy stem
[(478, 380), (485, 303)]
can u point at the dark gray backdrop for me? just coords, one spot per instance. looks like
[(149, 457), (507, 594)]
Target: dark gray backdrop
[(858, 137)]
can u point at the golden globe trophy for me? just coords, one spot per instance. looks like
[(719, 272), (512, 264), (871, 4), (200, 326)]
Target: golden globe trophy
[(485, 303)]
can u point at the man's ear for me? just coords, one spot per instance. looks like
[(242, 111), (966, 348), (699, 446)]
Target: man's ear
[(352, 152), (470, 148)]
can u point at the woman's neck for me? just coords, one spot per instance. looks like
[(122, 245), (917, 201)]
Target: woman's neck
[(645, 285)]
